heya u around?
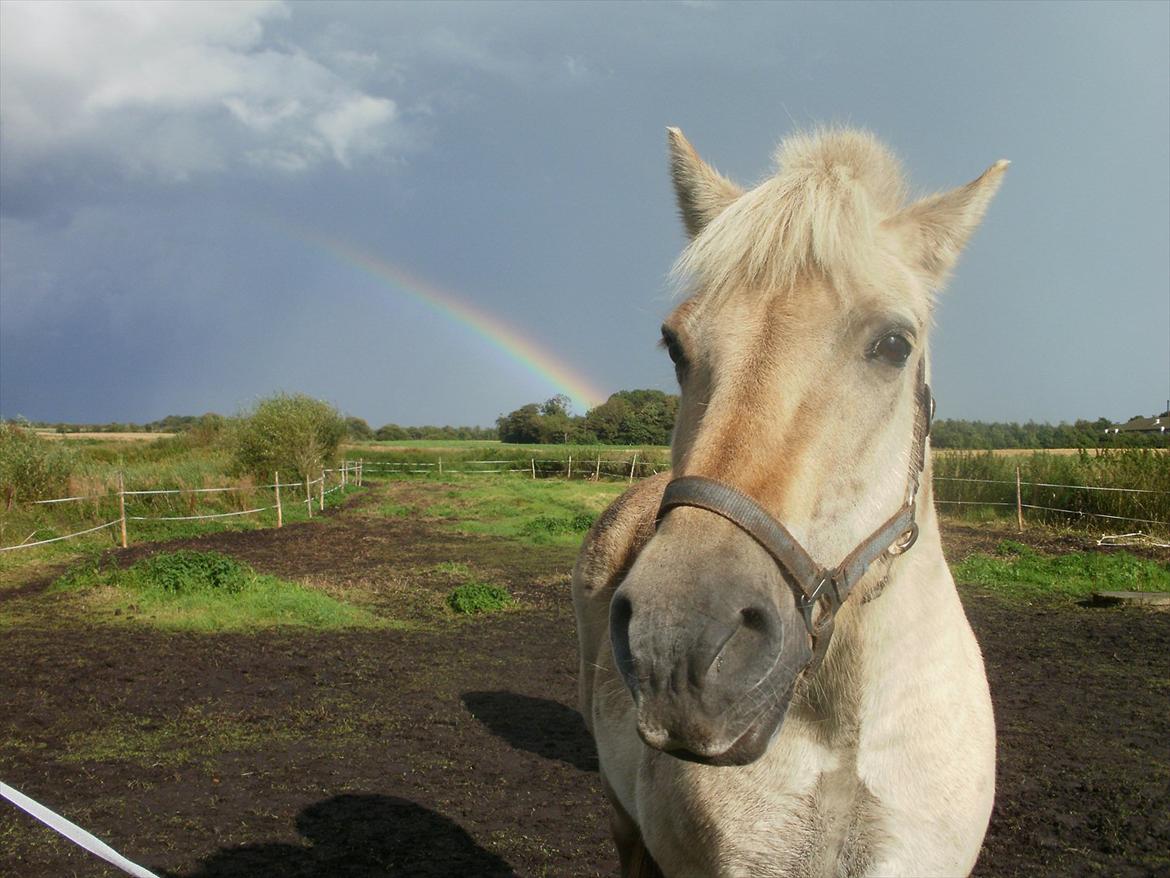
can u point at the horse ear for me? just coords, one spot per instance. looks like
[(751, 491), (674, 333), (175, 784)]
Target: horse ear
[(702, 191), (935, 229)]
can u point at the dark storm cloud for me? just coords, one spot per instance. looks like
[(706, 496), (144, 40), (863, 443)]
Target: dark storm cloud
[(514, 154)]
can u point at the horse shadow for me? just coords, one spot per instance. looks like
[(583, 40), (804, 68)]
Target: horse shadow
[(361, 836), (537, 725)]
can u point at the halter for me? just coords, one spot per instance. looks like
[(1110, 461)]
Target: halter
[(811, 583)]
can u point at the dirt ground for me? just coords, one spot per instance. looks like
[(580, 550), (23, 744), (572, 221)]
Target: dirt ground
[(453, 748)]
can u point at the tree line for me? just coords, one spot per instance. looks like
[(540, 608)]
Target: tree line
[(646, 417)]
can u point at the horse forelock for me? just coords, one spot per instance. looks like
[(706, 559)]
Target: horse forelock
[(818, 214)]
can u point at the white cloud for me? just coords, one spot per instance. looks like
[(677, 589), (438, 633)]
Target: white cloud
[(174, 89)]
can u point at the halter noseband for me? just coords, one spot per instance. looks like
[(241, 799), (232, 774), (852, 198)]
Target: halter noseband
[(811, 583)]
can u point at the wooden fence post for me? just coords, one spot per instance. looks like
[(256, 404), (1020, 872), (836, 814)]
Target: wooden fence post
[(440, 466), (122, 506), (1019, 502), (321, 491), (633, 466), (279, 511), (308, 495), (344, 472), (597, 472), (569, 477), (361, 471), (534, 467)]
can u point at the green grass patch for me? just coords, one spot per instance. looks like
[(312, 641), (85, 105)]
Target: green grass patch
[(207, 591), (452, 568), (547, 525), (479, 597), (1019, 571), (395, 510), (534, 511)]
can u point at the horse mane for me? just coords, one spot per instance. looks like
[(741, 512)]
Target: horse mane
[(819, 212)]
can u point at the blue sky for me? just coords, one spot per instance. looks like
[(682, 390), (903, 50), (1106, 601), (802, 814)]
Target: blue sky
[(164, 169)]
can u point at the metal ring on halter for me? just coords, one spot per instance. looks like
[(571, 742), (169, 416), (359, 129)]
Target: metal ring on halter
[(904, 542)]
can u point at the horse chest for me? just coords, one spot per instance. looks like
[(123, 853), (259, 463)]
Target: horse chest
[(812, 822)]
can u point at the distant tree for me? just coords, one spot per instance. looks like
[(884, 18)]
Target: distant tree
[(358, 429), (293, 433)]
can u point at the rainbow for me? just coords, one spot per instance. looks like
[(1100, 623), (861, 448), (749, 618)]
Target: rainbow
[(530, 354)]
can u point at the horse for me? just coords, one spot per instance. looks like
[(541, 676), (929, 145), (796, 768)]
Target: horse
[(774, 661)]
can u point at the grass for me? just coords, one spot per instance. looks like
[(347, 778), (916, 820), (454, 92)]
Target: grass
[(1015, 570), (479, 597), (206, 591), (540, 512)]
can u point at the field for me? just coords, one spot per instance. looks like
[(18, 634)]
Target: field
[(411, 740)]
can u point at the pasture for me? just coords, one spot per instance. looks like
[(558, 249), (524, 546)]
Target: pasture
[(412, 740)]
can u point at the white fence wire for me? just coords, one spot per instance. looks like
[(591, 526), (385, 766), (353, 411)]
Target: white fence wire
[(349, 471)]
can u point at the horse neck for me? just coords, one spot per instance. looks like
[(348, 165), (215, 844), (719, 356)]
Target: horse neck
[(899, 606)]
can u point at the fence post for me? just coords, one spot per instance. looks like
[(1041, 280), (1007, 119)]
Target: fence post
[(279, 511), (597, 472), (122, 506), (308, 494), (361, 471), (344, 471), (534, 467), (633, 466), (440, 466), (569, 477), (321, 491), (1019, 502)]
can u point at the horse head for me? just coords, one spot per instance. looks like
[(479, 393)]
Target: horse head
[(801, 355)]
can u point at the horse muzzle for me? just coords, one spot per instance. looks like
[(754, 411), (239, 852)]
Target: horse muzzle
[(709, 642)]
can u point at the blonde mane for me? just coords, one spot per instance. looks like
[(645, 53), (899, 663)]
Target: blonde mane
[(819, 213)]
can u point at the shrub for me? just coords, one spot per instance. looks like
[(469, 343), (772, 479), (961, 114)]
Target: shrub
[(291, 433), (187, 571), (479, 597), (32, 468)]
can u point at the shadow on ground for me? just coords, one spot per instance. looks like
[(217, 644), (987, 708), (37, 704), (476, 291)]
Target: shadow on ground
[(361, 836), (538, 725)]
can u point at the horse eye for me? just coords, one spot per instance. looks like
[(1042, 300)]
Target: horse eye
[(673, 348), (892, 348)]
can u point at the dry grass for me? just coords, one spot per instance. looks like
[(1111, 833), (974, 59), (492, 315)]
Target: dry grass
[(113, 437)]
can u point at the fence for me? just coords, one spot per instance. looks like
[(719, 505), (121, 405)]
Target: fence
[(1024, 498), (583, 468), (350, 471)]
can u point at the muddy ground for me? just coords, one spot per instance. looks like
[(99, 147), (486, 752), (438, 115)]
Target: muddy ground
[(453, 749)]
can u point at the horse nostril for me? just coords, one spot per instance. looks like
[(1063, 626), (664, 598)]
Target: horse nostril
[(620, 612), (755, 619)]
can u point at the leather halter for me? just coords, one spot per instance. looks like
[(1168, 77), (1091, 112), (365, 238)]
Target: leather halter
[(811, 583)]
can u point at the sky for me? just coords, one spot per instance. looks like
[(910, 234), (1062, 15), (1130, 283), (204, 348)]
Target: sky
[(435, 213)]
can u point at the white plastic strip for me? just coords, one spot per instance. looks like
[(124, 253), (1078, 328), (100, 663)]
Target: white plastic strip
[(186, 491), (1047, 485), (58, 539), (194, 517), (73, 832), (1095, 514), (71, 499)]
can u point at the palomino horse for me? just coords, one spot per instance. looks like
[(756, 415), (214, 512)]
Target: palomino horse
[(758, 712)]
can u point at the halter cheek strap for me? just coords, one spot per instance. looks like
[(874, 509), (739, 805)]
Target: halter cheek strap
[(812, 583)]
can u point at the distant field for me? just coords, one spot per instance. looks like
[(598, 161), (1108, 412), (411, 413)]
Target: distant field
[(112, 437)]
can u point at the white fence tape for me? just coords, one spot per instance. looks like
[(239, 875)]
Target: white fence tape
[(195, 517), (58, 539), (73, 832)]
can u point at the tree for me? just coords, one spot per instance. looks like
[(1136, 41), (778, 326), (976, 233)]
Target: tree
[(357, 428), (293, 433)]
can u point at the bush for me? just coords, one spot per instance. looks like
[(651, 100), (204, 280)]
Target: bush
[(479, 597), (295, 434), (187, 572), (32, 468)]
